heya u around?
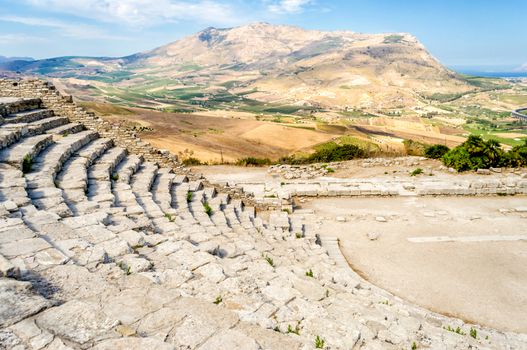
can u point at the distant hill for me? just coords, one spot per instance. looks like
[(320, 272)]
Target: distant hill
[(268, 64), (4, 59)]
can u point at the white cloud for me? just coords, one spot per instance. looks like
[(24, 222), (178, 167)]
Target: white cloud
[(143, 12), (79, 31), (12, 39), (288, 6)]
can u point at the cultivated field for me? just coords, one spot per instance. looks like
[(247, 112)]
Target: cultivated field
[(209, 137)]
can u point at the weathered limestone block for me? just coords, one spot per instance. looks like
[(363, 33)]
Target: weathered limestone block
[(18, 301), (77, 321), (133, 264), (7, 269), (23, 247)]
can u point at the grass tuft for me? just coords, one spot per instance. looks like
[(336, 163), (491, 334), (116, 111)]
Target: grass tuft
[(319, 342), (27, 163)]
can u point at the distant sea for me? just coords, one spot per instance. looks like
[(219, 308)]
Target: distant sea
[(492, 74)]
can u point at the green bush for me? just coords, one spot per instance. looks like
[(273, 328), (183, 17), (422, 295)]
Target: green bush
[(330, 153), (416, 172), (191, 161), (252, 161), (517, 157), (436, 151), (476, 153)]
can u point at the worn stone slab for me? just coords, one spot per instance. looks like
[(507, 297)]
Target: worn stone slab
[(18, 301), (77, 321), (23, 247)]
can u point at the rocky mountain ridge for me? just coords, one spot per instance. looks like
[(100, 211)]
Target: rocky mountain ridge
[(279, 64)]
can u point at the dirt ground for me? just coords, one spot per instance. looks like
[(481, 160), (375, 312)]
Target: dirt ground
[(349, 169), (483, 282), (211, 136)]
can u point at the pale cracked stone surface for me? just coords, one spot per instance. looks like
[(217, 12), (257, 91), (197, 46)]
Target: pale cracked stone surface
[(18, 301), (77, 321)]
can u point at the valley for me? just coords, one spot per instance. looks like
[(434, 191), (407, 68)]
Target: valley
[(269, 91)]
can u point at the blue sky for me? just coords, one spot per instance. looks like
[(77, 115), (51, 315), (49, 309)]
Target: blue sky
[(458, 32)]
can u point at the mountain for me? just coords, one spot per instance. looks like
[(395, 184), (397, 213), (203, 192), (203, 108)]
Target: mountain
[(4, 59), (261, 63)]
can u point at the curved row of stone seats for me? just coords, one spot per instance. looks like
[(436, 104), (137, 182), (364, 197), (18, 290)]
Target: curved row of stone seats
[(40, 179), (222, 279), (99, 181), (25, 150), (73, 179)]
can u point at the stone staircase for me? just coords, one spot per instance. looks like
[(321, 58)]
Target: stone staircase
[(103, 249)]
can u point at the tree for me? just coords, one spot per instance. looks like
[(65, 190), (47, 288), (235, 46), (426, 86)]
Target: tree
[(476, 153)]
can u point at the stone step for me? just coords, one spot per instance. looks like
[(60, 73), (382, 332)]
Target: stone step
[(9, 136), (104, 166), (43, 125), (10, 105), (95, 149), (73, 178), (66, 129), (143, 179), (162, 190), (21, 154), (28, 116), (45, 168), (127, 168)]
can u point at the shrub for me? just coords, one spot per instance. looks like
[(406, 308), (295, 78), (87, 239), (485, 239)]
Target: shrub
[(115, 176), (414, 148), (336, 153), (330, 153), (27, 163), (517, 156), (458, 158), (190, 195), (416, 172), (436, 151), (309, 273), (252, 161), (190, 161), (476, 153), (218, 300)]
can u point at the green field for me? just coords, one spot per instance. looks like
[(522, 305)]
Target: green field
[(517, 99)]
